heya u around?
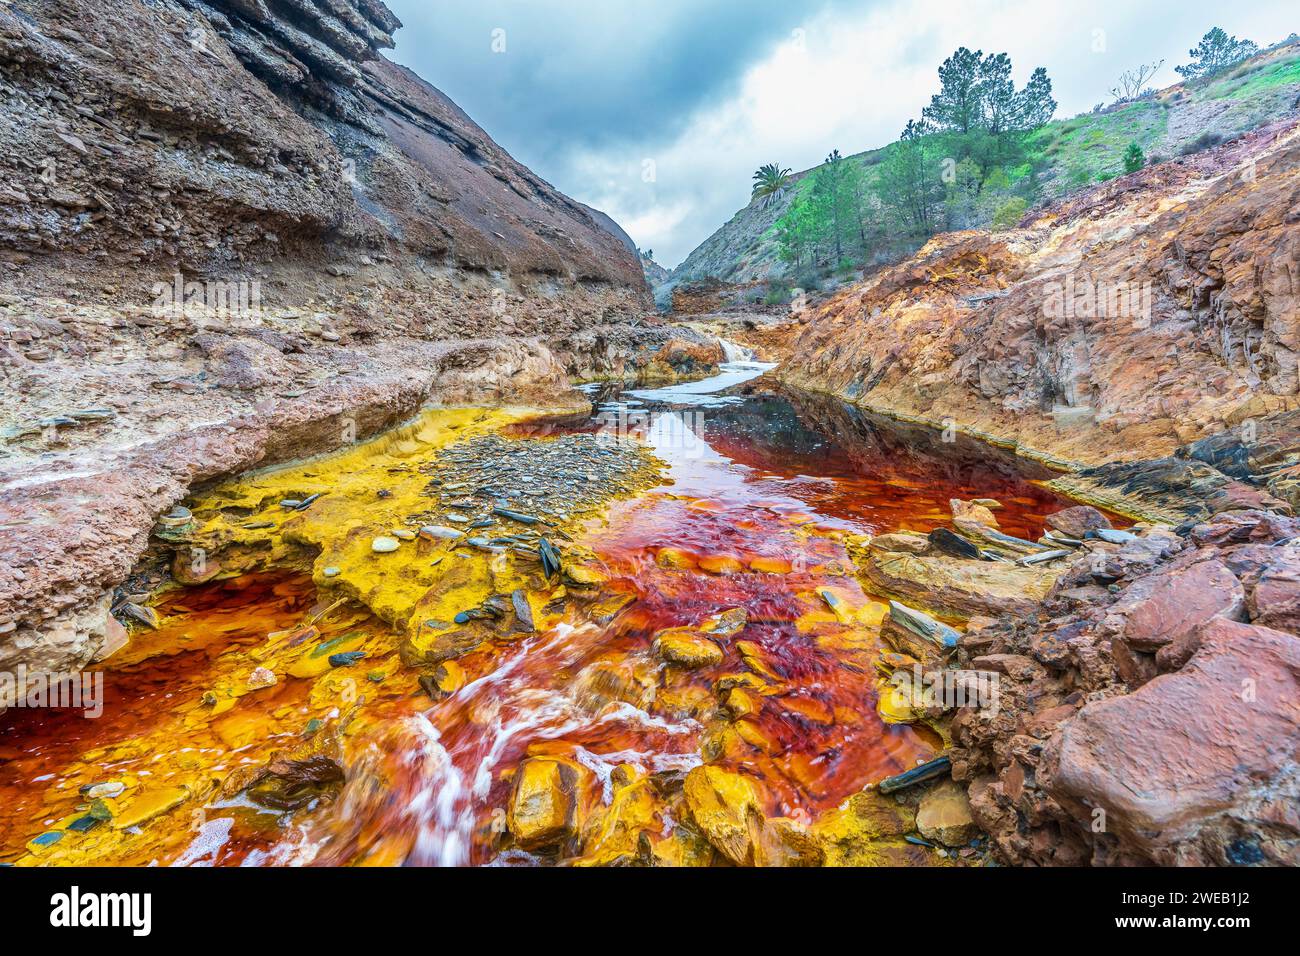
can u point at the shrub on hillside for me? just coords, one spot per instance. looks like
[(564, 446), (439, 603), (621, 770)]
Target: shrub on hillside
[(1010, 213), (1201, 143)]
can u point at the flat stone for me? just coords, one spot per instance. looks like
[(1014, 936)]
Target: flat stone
[(385, 545)]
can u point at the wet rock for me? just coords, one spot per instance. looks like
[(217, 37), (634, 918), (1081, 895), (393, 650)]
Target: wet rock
[(544, 804), (944, 815), (726, 623), (938, 767), (866, 831), (725, 806), (385, 545), (430, 646), (687, 648), (292, 778), (785, 842), (149, 804), (1077, 521)]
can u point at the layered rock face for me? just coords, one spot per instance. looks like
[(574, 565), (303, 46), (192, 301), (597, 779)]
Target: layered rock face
[(266, 140), (1140, 315), (232, 234)]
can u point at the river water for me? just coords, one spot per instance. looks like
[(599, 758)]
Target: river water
[(761, 491)]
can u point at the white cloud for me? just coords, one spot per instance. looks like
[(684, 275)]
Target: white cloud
[(852, 82), (607, 85)]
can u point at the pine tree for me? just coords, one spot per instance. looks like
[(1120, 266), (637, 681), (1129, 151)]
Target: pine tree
[(1215, 53), (1133, 158), (958, 105)]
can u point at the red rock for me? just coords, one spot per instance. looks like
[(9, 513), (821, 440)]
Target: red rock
[(1134, 667), (1275, 601), (1181, 603), (1076, 521), (1015, 666), (1183, 766)]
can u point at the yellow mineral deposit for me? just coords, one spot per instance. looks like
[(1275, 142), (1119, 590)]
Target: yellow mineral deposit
[(472, 639)]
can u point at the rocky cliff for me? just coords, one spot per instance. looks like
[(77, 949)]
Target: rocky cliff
[(1137, 316), (233, 233)]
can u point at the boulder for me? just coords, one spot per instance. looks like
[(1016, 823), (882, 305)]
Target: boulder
[(1275, 599), (953, 545), (1181, 603), (1195, 762), (1077, 521), (725, 806), (543, 807)]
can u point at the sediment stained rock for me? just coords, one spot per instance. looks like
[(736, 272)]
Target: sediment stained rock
[(1141, 314), (233, 234)]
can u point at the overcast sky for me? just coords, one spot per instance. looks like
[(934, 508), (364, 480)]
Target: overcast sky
[(659, 111)]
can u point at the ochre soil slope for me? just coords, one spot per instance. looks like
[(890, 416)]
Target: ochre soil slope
[(978, 330)]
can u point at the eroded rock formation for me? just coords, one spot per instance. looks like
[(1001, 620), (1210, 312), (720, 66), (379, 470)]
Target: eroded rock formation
[(233, 233), (1140, 315)]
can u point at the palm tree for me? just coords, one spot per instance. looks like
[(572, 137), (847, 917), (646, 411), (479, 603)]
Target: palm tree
[(770, 184)]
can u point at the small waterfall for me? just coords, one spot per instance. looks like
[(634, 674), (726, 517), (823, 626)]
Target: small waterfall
[(735, 353)]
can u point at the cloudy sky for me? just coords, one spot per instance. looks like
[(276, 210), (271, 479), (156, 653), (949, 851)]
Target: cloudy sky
[(659, 111)]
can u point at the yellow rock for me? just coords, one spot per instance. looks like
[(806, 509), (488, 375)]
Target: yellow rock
[(764, 565), (725, 806), (898, 703), (741, 702), (686, 648), (721, 564), (944, 815), (149, 804), (315, 658), (615, 835), (860, 832), (544, 806), (584, 576)]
